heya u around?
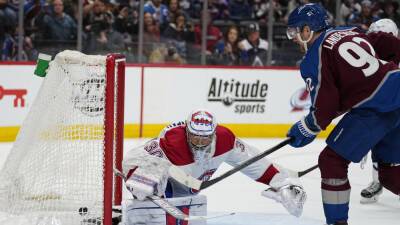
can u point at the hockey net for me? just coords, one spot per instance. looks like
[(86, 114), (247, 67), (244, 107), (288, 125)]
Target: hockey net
[(60, 169)]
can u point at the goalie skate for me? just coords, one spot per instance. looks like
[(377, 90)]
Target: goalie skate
[(371, 193)]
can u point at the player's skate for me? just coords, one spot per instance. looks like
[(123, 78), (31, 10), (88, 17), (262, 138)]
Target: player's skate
[(371, 193)]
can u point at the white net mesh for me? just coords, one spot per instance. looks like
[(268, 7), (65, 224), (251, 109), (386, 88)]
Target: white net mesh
[(54, 173)]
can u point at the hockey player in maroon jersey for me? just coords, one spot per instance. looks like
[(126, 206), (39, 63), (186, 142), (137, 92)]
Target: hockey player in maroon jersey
[(383, 36), (346, 77), (198, 146)]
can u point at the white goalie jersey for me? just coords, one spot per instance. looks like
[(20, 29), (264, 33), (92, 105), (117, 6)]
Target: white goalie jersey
[(225, 147)]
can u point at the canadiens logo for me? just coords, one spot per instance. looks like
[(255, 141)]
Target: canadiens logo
[(300, 100), (153, 149), (202, 118), (204, 177)]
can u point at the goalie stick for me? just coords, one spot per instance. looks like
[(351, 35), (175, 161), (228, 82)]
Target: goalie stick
[(209, 183), (189, 181), (171, 209)]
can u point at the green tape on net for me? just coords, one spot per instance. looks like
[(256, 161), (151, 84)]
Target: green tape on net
[(42, 64)]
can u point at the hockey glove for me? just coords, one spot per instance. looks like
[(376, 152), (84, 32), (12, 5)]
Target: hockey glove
[(287, 192), (301, 134), (150, 175), (143, 183)]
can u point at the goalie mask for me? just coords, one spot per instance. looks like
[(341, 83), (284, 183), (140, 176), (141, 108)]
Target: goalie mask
[(200, 129)]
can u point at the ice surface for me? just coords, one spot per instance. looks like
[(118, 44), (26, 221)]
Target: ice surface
[(241, 195), (261, 219)]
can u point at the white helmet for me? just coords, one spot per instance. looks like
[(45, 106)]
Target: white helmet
[(201, 122), (200, 128), (384, 25)]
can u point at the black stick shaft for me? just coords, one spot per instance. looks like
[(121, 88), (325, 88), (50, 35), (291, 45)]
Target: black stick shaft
[(209, 183), (304, 172)]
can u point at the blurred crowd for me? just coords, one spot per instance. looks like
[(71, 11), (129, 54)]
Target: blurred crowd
[(236, 29)]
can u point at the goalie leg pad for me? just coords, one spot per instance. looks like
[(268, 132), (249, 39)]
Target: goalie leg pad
[(136, 212)]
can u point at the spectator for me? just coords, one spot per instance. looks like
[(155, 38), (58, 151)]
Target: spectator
[(173, 11), (347, 8), (32, 9), (9, 50), (196, 8), (151, 35), (364, 18), (329, 5), (213, 34), (218, 9), (151, 28), (226, 51), (253, 49), (239, 10), (126, 22), (97, 22), (166, 54), (158, 10), (180, 33), (185, 5), (109, 41), (10, 47), (8, 19), (261, 9), (390, 11), (58, 26)]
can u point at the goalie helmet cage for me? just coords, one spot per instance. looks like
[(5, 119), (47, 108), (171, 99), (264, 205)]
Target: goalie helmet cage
[(60, 168)]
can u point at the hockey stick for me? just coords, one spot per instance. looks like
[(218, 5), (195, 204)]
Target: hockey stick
[(209, 183), (192, 182), (304, 172), (293, 173), (169, 208), (189, 181)]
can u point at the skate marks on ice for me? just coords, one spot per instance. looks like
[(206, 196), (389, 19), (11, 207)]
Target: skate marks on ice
[(261, 219)]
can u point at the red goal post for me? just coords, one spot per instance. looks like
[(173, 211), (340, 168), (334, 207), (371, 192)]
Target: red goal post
[(114, 132), (60, 167)]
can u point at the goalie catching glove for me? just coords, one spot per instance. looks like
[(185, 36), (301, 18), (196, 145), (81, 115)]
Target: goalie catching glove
[(287, 192)]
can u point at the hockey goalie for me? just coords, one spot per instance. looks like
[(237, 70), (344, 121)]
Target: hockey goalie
[(198, 146)]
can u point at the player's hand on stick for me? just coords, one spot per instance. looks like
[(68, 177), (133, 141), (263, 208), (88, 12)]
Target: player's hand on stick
[(301, 134), (287, 192)]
